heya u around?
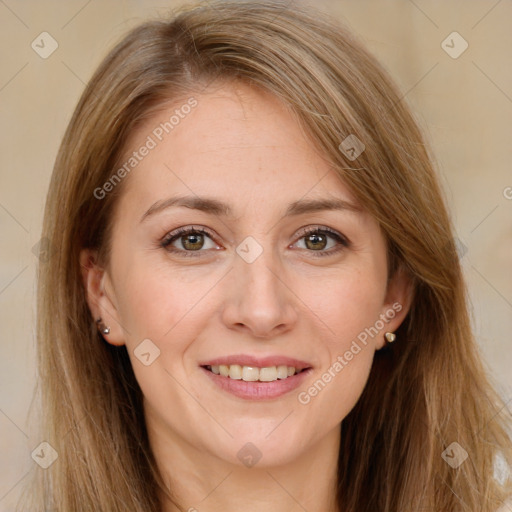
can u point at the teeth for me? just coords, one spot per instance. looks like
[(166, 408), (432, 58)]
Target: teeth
[(282, 371), (250, 374), (253, 373), (235, 372)]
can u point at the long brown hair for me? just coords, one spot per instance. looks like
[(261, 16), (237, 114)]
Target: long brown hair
[(425, 391)]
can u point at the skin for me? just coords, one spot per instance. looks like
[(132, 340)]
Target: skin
[(242, 146)]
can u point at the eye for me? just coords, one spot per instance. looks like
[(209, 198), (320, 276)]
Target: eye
[(191, 239), (316, 240)]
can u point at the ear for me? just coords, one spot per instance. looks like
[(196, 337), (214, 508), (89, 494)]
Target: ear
[(397, 303), (100, 296)]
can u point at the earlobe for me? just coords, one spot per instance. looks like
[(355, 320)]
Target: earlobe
[(101, 304), (396, 305)]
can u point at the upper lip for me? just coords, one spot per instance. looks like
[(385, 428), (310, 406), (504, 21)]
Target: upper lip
[(260, 362)]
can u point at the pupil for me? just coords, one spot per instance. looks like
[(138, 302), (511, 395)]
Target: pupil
[(314, 239), (198, 241)]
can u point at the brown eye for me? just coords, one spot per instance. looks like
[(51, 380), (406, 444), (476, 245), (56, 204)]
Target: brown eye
[(191, 240), (316, 241)]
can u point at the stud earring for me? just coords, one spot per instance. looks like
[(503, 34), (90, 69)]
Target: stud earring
[(390, 337), (102, 327)]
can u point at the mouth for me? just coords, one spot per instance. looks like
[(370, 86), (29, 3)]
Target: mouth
[(254, 378), (254, 373)]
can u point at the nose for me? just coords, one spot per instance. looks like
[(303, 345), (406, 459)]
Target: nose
[(260, 301)]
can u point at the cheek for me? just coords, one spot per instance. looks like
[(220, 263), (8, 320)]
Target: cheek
[(337, 386), (349, 308), (166, 305), (345, 304), (155, 297), (336, 391)]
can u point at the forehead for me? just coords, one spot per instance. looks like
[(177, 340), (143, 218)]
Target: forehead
[(239, 143)]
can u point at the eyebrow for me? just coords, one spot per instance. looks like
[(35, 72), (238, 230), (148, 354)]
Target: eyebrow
[(213, 206)]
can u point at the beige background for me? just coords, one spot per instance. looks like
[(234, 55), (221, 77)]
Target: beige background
[(463, 104)]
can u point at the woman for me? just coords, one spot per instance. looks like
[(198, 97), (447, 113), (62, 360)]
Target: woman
[(255, 300)]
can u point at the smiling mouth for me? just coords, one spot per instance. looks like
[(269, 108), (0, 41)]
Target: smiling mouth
[(254, 373)]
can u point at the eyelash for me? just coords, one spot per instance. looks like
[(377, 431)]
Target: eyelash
[(174, 235)]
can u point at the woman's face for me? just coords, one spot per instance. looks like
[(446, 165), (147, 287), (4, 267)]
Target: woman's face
[(266, 279)]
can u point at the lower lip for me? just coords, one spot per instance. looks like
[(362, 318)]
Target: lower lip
[(258, 390)]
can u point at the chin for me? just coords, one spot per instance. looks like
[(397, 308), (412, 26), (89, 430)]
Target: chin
[(261, 449)]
